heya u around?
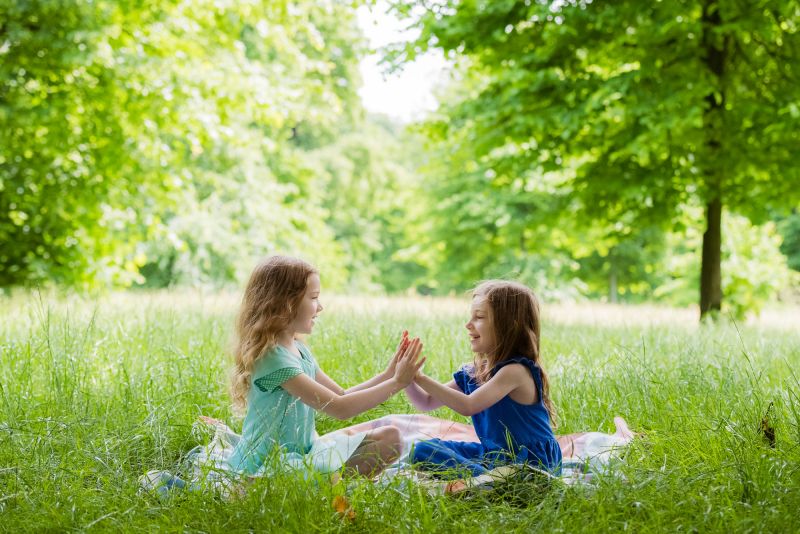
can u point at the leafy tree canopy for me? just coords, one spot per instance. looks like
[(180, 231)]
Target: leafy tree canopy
[(626, 111)]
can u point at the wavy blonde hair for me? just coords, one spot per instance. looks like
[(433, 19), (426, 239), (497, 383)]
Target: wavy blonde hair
[(269, 306), (514, 311)]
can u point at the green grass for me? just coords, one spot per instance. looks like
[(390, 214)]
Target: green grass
[(95, 393)]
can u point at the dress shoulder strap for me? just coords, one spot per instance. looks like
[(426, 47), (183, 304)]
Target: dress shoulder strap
[(534, 369)]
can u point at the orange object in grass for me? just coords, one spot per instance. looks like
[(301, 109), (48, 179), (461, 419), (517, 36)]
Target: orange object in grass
[(343, 507)]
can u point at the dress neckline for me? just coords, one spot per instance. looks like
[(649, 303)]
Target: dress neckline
[(301, 353)]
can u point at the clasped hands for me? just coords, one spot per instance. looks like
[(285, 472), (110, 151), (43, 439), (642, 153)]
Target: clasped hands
[(406, 364)]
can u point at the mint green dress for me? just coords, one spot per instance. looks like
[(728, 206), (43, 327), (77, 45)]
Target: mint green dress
[(276, 418)]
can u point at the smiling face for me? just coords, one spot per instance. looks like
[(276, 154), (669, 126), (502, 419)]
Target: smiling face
[(309, 307), (480, 326)]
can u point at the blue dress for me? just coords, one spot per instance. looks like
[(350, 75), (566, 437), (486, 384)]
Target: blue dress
[(509, 432)]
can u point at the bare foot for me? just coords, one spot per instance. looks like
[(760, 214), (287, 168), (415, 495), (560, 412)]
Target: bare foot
[(209, 420), (622, 429), (454, 487)]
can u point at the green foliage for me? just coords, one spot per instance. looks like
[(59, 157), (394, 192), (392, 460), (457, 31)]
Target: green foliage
[(755, 269), (72, 175), (612, 116), (367, 191), (790, 230), (629, 269), (171, 143), (166, 135)]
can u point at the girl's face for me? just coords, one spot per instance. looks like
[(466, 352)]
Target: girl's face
[(480, 327), (309, 307)]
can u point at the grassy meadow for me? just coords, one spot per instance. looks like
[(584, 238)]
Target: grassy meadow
[(93, 393)]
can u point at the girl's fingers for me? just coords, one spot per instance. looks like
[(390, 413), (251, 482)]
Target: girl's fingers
[(411, 353), (413, 359), (403, 341), (410, 347)]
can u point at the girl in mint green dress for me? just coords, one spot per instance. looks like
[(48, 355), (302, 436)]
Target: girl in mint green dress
[(281, 386)]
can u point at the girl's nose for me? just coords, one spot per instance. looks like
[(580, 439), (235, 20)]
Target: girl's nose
[(319, 307)]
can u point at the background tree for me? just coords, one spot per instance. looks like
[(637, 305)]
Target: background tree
[(167, 135), (790, 230), (287, 75), (70, 173), (642, 108), (367, 187)]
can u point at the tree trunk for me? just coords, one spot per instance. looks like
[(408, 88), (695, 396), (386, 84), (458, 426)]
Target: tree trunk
[(715, 57), (711, 267), (612, 286)]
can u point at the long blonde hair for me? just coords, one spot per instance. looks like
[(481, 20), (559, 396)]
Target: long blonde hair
[(514, 311), (269, 306)]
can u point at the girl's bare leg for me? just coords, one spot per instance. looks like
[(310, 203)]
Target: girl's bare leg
[(416, 427), (567, 443), (381, 447)]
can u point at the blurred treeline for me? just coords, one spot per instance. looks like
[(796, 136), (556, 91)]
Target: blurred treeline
[(174, 142), (152, 144)]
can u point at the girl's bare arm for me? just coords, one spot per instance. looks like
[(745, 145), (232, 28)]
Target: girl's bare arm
[(422, 400), (339, 405), (347, 405), (384, 375), (501, 384)]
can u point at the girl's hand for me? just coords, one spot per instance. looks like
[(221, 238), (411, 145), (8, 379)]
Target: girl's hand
[(404, 341), (409, 363)]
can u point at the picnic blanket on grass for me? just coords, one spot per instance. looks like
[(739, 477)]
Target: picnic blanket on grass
[(585, 456)]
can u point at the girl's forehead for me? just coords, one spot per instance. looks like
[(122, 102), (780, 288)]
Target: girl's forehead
[(479, 302), (313, 283)]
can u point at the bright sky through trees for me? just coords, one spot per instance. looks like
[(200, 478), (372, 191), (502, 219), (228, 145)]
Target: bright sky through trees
[(404, 95)]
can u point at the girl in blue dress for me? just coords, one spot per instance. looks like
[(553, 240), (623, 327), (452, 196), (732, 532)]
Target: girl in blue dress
[(505, 390)]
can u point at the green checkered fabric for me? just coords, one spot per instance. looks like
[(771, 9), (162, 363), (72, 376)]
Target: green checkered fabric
[(273, 381)]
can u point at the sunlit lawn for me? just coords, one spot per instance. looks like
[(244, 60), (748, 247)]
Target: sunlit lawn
[(95, 393)]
